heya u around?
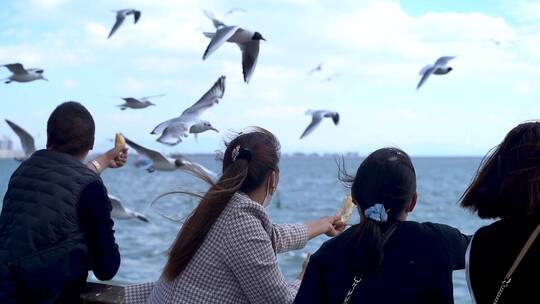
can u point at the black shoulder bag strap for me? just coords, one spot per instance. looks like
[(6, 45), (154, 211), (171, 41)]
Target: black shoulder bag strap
[(358, 277), (522, 253)]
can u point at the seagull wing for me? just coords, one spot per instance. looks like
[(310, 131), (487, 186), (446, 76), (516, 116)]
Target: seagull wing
[(426, 75), (236, 9), (16, 68), (211, 97), (151, 154), (172, 135), (116, 205), (152, 96), (120, 212), (333, 115), (217, 23), (131, 100), (27, 141), (424, 69), (162, 126), (120, 16), (250, 54), (222, 34), (136, 15), (443, 61), (316, 118), (195, 167)]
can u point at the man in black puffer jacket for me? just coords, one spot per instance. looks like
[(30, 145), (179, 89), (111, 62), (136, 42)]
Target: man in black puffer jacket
[(56, 221)]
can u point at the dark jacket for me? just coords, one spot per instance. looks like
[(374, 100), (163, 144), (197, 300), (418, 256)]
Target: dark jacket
[(45, 247), (494, 249), (417, 268)]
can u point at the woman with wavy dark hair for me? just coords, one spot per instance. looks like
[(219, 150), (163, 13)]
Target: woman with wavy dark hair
[(504, 257), (385, 258), (226, 250)]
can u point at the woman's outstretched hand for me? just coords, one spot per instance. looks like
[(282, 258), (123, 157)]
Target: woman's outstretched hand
[(329, 225)]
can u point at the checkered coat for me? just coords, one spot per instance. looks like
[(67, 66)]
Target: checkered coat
[(235, 264)]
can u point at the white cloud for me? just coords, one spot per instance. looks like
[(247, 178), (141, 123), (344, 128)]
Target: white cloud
[(523, 87), (47, 4), (70, 84)]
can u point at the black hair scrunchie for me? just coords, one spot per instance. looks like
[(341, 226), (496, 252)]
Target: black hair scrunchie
[(244, 153)]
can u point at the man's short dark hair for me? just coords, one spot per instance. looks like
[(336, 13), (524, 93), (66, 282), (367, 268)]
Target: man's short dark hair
[(71, 128)]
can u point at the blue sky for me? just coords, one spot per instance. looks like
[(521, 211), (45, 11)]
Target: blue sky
[(379, 46)]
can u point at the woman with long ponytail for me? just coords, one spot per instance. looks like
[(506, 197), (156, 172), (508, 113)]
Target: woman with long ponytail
[(226, 250), (385, 258)]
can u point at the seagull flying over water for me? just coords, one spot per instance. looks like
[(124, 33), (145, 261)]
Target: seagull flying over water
[(174, 129), (248, 42), (138, 103), (120, 212), (20, 74), (121, 16), (440, 67), (27, 141), (316, 118), (162, 163)]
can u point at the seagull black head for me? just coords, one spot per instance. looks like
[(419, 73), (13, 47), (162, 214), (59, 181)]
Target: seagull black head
[(257, 36), (178, 163), (449, 69)]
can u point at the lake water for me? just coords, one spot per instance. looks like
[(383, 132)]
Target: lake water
[(308, 189)]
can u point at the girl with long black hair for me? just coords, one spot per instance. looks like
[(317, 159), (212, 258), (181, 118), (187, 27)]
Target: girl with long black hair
[(385, 258)]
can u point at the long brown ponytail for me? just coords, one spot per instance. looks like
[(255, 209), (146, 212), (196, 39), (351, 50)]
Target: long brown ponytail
[(245, 174)]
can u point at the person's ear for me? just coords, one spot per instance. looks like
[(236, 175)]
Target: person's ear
[(412, 204)]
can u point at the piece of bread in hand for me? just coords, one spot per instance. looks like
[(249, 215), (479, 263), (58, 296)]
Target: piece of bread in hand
[(119, 142), (346, 210)]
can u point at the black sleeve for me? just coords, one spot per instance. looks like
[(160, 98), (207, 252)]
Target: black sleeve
[(455, 241), (95, 216), (311, 289)]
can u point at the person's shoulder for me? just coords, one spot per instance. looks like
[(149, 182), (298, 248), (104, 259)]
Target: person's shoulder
[(507, 228), (335, 246), (243, 215)]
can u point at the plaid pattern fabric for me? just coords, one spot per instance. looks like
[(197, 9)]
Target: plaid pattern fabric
[(236, 263)]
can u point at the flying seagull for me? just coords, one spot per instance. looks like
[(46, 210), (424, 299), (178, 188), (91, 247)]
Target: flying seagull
[(27, 141), (162, 163), (248, 42), (174, 129), (332, 77), (316, 118), (138, 103), (438, 68), (121, 15), (318, 68), (120, 212), (20, 74), (233, 10)]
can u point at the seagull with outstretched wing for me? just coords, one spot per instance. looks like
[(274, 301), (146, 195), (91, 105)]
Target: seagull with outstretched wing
[(27, 141), (316, 118), (121, 16), (162, 163), (20, 74), (247, 41), (440, 67), (189, 121), (138, 103), (120, 212)]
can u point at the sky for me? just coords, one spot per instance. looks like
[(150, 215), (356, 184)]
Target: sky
[(378, 47)]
